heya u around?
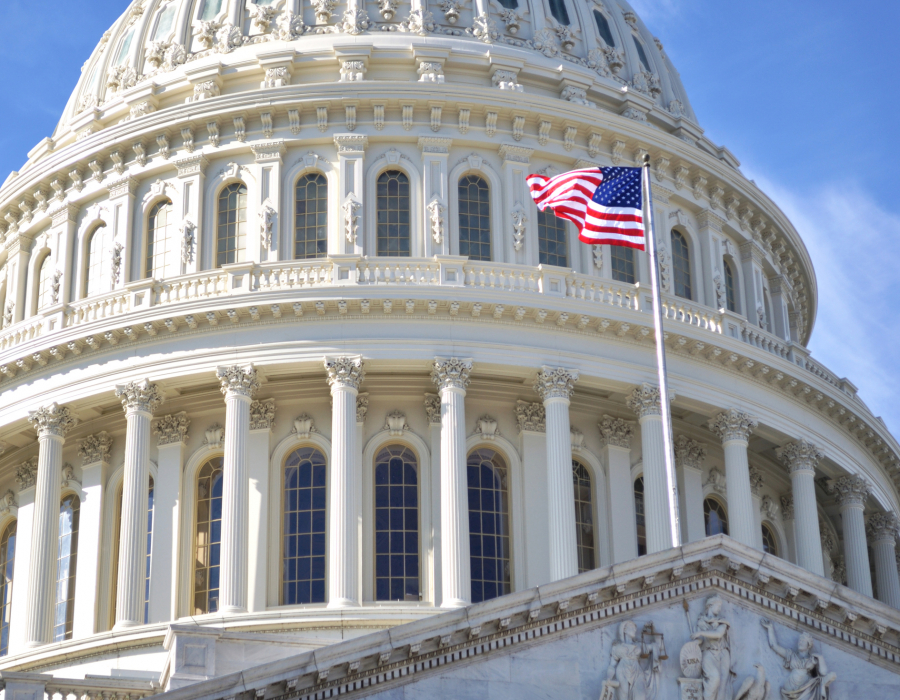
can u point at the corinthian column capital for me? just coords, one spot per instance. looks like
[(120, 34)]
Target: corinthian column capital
[(615, 432), (53, 420), (451, 373), (851, 490), (95, 448), (799, 456), (172, 429), (689, 452), (882, 526), (143, 396), (345, 371), (555, 383), (237, 380), (733, 425), (644, 400)]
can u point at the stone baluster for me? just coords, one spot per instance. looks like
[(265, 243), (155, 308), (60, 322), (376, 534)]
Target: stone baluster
[(689, 455), (644, 401), (733, 428), (801, 458), (882, 530), (51, 423), (451, 376), (555, 386), (345, 374), (140, 400), (238, 384), (852, 492)]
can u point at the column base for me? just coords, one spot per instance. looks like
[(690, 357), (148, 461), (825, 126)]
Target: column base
[(231, 610), (455, 603), (343, 603), (125, 625), (35, 645)]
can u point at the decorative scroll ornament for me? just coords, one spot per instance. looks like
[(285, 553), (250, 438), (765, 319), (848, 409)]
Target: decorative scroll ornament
[(756, 480), (52, 420), (172, 429), (262, 414), (486, 427), (485, 28), (351, 220), (451, 9), (188, 229), (597, 250), (261, 16), (117, 263), (362, 407), (214, 437), (519, 220), (355, 21), (787, 507), (433, 408), (436, 216), (513, 19), (627, 678), (8, 502), (721, 296), (689, 452), (851, 490), (304, 425), (267, 217), (288, 26), (531, 417), (768, 508), (555, 383), (388, 8), (615, 432), (142, 396), (576, 437), (809, 678), (26, 473), (451, 373), (54, 287), (716, 480), (396, 423), (68, 475), (799, 456), (228, 38), (882, 526), (95, 448), (665, 268), (733, 425), (237, 380)]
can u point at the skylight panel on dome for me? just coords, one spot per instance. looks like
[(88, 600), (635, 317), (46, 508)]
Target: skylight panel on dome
[(211, 8), (510, 4), (124, 48), (641, 54), (559, 12), (164, 25), (603, 28)]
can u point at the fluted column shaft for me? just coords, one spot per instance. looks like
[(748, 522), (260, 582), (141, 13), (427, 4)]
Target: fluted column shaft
[(852, 492), (644, 401), (51, 423), (882, 530), (555, 386), (344, 375), (801, 459), (140, 400), (239, 384), (734, 428), (452, 377)]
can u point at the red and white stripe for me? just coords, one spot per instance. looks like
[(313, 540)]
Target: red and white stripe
[(570, 194)]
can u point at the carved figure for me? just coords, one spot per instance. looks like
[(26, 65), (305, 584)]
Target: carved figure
[(809, 677), (715, 665), (754, 687), (626, 678)]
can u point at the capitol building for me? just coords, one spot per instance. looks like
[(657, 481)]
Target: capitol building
[(302, 397)]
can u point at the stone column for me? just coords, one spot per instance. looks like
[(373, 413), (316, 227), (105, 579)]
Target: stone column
[(644, 401), (51, 423), (801, 458), (239, 384), (882, 530), (851, 492), (733, 428), (689, 456), (451, 376), (433, 412), (345, 374), (615, 438), (140, 400), (262, 420), (555, 386)]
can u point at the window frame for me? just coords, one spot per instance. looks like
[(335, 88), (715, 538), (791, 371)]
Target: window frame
[(598, 9), (7, 584), (92, 230), (490, 216), (720, 502), (412, 184), (692, 287), (731, 304), (292, 224), (214, 262), (73, 570), (566, 238), (170, 222), (44, 258), (195, 477), (593, 490)]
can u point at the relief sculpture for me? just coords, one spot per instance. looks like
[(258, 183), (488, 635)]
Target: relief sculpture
[(627, 678), (706, 659), (809, 677)]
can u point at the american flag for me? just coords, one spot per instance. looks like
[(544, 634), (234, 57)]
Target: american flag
[(605, 203)]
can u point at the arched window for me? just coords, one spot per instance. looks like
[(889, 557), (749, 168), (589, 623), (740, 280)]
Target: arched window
[(303, 563), (311, 217), (45, 284), (124, 48), (770, 544), (642, 54), (115, 554), (392, 210), (231, 228), (98, 270), (730, 298), (474, 218), (559, 12), (681, 262), (489, 544), (7, 563), (553, 248), (164, 23), (639, 516), (158, 234), (584, 517), (208, 539), (622, 259), (66, 560), (396, 524), (603, 28), (715, 517), (211, 8)]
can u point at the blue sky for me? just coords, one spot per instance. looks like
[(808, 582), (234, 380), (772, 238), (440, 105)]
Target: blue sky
[(804, 93)]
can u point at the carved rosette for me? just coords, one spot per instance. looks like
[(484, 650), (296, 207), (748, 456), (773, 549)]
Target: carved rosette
[(689, 452), (142, 396), (172, 429), (531, 417), (26, 473), (237, 380), (756, 480), (733, 425), (433, 408), (644, 400), (262, 414), (451, 373), (615, 432), (800, 456), (851, 490), (362, 407), (345, 371), (95, 448), (53, 420), (882, 526), (555, 383), (787, 507)]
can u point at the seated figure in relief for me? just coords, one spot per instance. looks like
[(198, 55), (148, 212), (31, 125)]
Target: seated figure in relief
[(809, 678)]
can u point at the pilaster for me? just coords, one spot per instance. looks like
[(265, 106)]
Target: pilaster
[(351, 151), (689, 455), (262, 420), (519, 216), (192, 181), (269, 208), (531, 422), (121, 206), (615, 438), (436, 211)]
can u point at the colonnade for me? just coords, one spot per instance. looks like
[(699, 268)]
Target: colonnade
[(554, 385)]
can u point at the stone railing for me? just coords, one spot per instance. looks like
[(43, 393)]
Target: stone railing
[(36, 685)]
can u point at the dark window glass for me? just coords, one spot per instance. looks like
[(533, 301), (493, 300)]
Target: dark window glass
[(642, 54), (396, 524), (303, 563), (311, 217), (392, 211), (558, 10), (553, 248), (715, 517), (158, 238), (510, 4), (603, 28), (729, 288), (770, 544), (7, 562), (622, 259), (639, 516), (584, 517), (681, 262), (231, 227), (209, 537), (489, 542), (66, 561), (474, 218)]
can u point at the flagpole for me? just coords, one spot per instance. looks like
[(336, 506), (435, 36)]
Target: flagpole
[(665, 406)]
